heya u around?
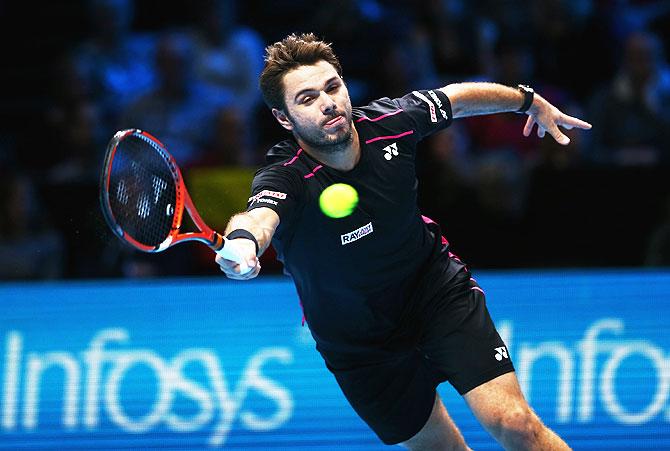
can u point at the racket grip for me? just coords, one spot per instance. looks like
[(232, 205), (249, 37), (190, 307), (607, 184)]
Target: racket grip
[(229, 253)]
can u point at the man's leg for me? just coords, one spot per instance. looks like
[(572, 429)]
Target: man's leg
[(501, 408), (439, 432)]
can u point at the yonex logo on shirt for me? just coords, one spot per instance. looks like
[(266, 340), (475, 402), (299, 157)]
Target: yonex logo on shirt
[(267, 193), (267, 201), (501, 353), (356, 234), (390, 151)]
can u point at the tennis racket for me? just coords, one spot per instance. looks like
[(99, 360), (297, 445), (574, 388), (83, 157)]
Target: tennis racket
[(143, 198)]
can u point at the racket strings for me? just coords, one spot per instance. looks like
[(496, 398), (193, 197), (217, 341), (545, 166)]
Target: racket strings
[(142, 190)]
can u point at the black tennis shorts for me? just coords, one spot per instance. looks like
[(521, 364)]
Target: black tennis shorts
[(456, 342)]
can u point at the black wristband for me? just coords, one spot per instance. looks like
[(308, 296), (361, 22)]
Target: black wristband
[(528, 95), (241, 233)]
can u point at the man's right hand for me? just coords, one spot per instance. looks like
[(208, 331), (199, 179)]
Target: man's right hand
[(246, 249)]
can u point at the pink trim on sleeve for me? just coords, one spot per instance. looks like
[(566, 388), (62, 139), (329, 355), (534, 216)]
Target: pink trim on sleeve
[(392, 113), (400, 135)]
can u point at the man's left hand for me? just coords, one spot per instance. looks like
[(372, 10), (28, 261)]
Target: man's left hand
[(548, 118)]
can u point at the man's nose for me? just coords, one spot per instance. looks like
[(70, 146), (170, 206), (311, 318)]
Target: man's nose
[(328, 105)]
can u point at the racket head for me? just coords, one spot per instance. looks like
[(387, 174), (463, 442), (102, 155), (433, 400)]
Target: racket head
[(141, 191)]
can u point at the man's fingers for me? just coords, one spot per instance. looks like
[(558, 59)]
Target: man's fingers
[(233, 271), (549, 120), (241, 250), (558, 136), (528, 128), (232, 266), (570, 122), (225, 264), (253, 272), (222, 261)]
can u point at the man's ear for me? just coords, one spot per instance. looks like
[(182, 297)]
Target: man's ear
[(283, 119)]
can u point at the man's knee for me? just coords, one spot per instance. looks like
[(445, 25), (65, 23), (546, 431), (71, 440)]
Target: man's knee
[(518, 425)]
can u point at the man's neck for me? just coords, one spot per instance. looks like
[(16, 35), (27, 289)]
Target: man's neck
[(342, 157)]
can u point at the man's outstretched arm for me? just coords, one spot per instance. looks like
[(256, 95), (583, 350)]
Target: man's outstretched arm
[(475, 98), (261, 223)]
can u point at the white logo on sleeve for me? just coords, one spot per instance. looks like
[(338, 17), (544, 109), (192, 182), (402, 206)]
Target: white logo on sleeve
[(390, 151), (431, 105), (439, 104), (501, 353), (263, 197)]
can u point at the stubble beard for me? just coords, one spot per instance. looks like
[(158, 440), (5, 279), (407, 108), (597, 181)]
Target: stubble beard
[(327, 144), (320, 141)]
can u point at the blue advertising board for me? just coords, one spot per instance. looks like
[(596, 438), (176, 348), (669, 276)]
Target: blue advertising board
[(209, 363)]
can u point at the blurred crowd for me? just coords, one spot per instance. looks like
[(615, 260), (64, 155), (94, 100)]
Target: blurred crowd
[(187, 72)]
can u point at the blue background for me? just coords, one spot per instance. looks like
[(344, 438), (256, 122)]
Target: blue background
[(239, 322)]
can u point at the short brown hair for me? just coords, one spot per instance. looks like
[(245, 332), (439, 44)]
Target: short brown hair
[(290, 53)]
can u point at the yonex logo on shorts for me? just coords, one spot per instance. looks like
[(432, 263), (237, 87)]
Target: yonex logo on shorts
[(356, 234), (501, 353)]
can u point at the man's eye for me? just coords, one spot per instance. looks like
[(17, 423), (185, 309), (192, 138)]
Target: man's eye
[(333, 88), (306, 99)]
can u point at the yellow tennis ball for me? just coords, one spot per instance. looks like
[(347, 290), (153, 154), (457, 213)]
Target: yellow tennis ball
[(338, 200)]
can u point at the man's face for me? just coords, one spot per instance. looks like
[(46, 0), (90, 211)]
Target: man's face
[(318, 108)]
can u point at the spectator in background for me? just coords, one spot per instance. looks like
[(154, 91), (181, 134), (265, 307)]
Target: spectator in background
[(29, 247), (511, 63), (501, 159), (114, 61), (458, 36), (229, 58), (409, 53), (446, 190), (445, 165), (631, 115), (572, 43), (228, 147), (181, 110), (74, 140), (348, 23), (74, 128)]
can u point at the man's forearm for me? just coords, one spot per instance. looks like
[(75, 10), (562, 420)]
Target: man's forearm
[(477, 98), (261, 222)]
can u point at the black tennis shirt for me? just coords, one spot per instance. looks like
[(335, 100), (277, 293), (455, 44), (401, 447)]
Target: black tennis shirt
[(355, 275)]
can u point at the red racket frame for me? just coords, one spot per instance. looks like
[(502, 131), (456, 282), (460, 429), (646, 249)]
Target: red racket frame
[(182, 200)]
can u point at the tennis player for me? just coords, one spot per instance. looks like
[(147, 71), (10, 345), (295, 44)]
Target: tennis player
[(392, 311)]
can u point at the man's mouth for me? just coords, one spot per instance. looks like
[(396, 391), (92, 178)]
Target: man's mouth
[(334, 122)]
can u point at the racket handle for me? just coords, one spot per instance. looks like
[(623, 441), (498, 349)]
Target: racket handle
[(229, 253)]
